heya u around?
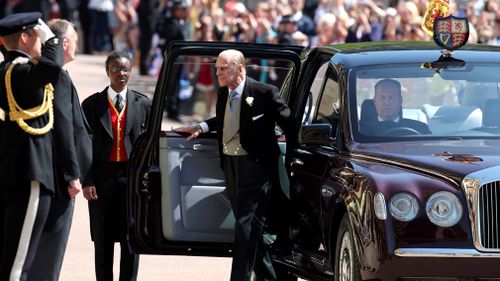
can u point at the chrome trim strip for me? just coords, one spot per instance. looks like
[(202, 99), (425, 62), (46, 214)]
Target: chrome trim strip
[(442, 253), (405, 165)]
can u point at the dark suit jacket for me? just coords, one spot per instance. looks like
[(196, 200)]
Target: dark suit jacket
[(72, 134), (26, 157), (257, 121), (378, 128), (171, 30), (96, 111)]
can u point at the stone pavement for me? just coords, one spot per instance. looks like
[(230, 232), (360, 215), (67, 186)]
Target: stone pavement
[(89, 76)]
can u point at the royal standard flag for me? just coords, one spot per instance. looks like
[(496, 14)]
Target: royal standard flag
[(436, 9)]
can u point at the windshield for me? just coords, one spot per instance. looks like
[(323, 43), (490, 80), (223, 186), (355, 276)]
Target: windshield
[(411, 102)]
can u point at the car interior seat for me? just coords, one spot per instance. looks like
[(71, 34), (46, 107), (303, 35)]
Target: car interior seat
[(444, 119), (368, 114), (368, 111), (476, 94), (491, 121)]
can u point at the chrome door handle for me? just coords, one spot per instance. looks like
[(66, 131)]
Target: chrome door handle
[(297, 162), (204, 147)]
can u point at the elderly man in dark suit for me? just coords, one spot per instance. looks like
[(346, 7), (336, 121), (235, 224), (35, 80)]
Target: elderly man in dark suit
[(26, 143), (73, 159), (246, 115), (117, 117), (388, 120)]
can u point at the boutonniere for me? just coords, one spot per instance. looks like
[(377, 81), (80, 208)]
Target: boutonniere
[(249, 101)]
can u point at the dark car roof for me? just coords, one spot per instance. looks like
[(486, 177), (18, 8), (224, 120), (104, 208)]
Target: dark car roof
[(373, 53)]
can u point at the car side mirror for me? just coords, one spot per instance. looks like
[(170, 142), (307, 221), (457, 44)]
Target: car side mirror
[(315, 134)]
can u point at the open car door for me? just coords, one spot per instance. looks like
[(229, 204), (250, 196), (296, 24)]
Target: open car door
[(176, 202)]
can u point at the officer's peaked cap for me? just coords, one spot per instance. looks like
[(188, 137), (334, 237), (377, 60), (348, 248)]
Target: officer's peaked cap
[(17, 22)]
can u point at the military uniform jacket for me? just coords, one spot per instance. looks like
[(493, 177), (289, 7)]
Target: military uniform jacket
[(25, 157), (96, 109), (258, 118)]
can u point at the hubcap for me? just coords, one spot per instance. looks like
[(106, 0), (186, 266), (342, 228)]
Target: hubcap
[(345, 258)]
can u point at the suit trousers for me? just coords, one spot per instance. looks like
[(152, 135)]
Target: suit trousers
[(108, 222), (23, 213), (53, 240), (249, 187)]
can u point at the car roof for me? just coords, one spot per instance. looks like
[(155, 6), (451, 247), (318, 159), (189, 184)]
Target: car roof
[(373, 53)]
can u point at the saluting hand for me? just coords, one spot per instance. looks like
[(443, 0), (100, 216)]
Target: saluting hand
[(43, 31), (90, 193)]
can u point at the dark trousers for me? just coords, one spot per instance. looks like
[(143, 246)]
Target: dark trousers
[(108, 223), (129, 263), (147, 23), (249, 187), (101, 39), (23, 214), (53, 240)]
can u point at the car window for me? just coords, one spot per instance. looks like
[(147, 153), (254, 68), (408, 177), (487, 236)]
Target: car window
[(434, 103), (329, 105), (192, 99), (314, 93)]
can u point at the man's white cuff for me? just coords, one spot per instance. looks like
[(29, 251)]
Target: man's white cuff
[(204, 127)]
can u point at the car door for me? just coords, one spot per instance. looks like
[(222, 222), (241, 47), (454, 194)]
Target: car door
[(176, 202), (318, 102)]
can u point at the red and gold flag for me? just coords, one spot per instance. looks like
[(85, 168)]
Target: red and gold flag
[(436, 9)]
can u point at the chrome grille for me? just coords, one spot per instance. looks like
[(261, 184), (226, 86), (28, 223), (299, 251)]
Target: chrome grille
[(489, 215)]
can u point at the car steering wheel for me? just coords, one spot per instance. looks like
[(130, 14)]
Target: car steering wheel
[(401, 131)]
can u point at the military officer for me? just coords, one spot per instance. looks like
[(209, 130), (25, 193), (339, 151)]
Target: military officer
[(26, 144)]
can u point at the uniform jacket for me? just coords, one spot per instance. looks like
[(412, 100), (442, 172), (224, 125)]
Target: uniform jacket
[(72, 134), (26, 157), (257, 121), (96, 109)]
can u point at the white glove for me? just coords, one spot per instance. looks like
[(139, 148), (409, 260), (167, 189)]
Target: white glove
[(43, 31)]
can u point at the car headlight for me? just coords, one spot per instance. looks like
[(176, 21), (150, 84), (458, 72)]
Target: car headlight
[(404, 206), (444, 209)]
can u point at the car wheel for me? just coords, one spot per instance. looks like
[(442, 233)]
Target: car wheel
[(346, 259)]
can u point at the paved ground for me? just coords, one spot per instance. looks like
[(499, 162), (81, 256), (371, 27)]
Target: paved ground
[(89, 76)]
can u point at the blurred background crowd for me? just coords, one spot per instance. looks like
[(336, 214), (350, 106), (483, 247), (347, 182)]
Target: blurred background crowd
[(144, 27)]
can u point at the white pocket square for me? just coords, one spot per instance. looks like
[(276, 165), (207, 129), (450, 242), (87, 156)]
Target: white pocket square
[(257, 117)]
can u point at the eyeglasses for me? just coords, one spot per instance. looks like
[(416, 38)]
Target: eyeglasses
[(120, 69)]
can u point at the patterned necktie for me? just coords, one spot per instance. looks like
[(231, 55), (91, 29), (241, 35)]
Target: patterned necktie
[(233, 99), (119, 103)]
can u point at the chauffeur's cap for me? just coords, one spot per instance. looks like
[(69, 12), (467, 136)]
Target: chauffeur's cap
[(17, 22)]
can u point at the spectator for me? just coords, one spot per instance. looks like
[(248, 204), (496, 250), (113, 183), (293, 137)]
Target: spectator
[(304, 23), (100, 35), (324, 30), (172, 28)]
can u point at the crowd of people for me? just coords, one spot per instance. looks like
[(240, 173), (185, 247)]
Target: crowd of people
[(146, 26)]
